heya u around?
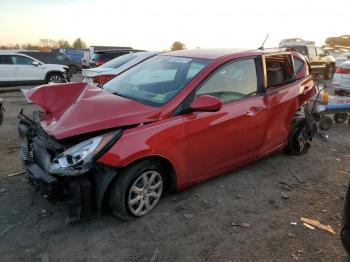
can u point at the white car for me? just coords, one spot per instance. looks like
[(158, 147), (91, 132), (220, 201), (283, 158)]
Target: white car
[(341, 59), (102, 74), (341, 78), (18, 68)]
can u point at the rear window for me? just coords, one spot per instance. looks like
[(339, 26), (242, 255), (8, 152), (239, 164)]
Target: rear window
[(279, 70), (117, 62)]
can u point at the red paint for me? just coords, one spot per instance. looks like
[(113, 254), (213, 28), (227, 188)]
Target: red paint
[(199, 145)]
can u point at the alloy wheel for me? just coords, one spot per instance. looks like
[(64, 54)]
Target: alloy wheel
[(55, 79), (145, 192)]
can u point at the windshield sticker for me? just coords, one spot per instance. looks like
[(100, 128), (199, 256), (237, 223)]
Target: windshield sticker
[(181, 60)]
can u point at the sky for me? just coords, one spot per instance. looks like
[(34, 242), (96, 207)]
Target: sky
[(156, 24)]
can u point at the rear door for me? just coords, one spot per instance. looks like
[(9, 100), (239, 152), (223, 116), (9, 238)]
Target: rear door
[(219, 141), (25, 70), (281, 98), (7, 72)]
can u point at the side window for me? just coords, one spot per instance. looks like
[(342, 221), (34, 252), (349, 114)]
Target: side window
[(21, 60), (232, 81), (60, 57), (279, 70), (298, 65), (319, 51), (312, 51), (5, 60)]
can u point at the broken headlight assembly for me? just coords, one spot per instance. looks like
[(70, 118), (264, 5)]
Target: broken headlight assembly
[(79, 158)]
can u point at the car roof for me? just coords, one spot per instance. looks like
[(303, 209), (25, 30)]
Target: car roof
[(116, 50), (217, 53)]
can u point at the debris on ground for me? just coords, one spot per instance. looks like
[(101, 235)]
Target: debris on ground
[(16, 174), (318, 224), (296, 176), (308, 226), (188, 216), (285, 196), (286, 185), (294, 223), (154, 256), (3, 190), (7, 229), (240, 224)]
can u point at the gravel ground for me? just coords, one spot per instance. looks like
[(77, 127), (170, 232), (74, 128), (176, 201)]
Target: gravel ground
[(250, 214)]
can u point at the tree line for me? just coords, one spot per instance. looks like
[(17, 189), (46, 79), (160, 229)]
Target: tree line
[(46, 44)]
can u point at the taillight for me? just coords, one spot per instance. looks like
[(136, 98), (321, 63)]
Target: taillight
[(99, 62), (343, 71), (102, 79)]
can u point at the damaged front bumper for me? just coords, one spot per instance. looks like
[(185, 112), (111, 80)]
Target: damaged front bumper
[(83, 194)]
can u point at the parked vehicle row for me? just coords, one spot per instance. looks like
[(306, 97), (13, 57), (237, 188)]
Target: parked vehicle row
[(102, 56), (172, 121), (102, 74), (17, 68)]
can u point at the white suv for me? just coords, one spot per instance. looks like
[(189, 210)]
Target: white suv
[(22, 69)]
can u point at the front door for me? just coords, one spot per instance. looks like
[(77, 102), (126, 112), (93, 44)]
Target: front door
[(25, 70), (219, 141)]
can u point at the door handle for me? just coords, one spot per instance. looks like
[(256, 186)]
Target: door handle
[(254, 110)]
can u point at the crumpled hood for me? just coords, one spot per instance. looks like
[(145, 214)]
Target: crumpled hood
[(79, 108)]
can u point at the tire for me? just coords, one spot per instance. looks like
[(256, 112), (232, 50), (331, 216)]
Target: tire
[(325, 123), (130, 193), (299, 139), (55, 78), (340, 117), (328, 74), (73, 69)]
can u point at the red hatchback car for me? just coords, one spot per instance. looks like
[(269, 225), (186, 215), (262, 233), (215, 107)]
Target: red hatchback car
[(168, 123)]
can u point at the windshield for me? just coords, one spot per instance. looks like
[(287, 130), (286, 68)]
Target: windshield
[(117, 62), (157, 80)]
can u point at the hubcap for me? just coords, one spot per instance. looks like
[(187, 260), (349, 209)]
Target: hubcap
[(145, 193)]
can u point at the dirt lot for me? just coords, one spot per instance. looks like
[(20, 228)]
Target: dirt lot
[(203, 223)]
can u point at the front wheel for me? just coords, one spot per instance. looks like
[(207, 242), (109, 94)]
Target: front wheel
[(137, 190), (55, 78)]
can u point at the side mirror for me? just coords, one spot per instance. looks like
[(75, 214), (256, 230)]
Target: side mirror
[(206, 103), (35, 63)]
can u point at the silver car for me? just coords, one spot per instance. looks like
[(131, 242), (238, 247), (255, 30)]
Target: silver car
[(341, 78)]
